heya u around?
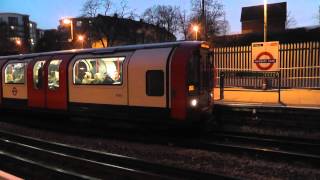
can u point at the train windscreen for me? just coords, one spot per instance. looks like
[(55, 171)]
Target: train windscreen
[(200, 72)]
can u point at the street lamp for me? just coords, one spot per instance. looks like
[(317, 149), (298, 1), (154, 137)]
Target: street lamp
[(18, 42), (67, 21), (196, 30), (265, 20), (81, 39)]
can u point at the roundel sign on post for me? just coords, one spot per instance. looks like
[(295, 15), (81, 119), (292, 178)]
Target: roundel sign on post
[(265, 56)]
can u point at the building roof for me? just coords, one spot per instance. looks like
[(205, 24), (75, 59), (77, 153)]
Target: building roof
[(275, 11), (9, 13)]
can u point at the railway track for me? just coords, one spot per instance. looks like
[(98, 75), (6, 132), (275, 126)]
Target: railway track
[(38, 159), (273, 148), (276, 142)]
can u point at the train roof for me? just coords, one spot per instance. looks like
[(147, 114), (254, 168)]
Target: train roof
[(104, 50)]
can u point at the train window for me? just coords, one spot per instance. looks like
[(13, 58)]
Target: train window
[(38, 74), (53, 74), (14, 73), (194, 73), (98, 71), (155, 83)]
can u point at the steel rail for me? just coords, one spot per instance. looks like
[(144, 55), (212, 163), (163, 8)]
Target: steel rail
[(100, 162)]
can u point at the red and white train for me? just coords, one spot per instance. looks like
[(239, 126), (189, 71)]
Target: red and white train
[(164, 82)]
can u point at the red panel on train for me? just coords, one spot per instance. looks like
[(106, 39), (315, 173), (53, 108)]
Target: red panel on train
[(57, 86), (36, 82), (179, 81)]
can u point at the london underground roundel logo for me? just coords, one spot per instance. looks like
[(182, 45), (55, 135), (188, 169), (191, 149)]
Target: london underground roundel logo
[(14, 91), (264, 61)]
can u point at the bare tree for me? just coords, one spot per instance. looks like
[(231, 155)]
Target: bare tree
[(225, 26), (106, 4), (290, 21), (184, 23), (90, 8), (165, 16), (214, 16), (124, 11)]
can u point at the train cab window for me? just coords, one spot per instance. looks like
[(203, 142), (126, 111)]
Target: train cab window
[(15, 73), (38, 74), (194, 73), (155, 83), (53, 74), (98, 71)]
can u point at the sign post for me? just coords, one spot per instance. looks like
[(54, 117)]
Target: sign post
[(265, 58)]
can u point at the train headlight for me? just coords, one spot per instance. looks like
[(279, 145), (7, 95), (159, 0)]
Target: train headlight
[(194, 102)]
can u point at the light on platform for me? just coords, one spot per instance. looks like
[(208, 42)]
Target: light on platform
[(18, 42), (66, 21), (195, 28)]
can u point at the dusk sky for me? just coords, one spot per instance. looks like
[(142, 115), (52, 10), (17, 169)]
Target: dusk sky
[(47, 12)]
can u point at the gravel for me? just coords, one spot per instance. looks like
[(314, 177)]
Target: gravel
[(241, 166)]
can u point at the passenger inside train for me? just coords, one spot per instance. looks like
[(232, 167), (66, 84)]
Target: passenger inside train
[(98, 71)]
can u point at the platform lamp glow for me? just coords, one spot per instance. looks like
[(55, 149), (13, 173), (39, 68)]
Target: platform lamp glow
[(81, 39), (265, 20), (196, 30), (68, 21), (18, 42)]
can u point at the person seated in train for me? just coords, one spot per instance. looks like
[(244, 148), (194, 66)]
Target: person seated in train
[(98, 78), (9, 78), (40, 77), (117, 77), (108, 80), (19, 79), (87, 78), (53, 80), (9, 75)]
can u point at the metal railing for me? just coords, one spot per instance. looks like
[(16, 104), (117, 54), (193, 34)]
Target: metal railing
[(299, 65)]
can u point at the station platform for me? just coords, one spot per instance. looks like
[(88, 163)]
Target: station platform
[(7, 176), (289, 98)]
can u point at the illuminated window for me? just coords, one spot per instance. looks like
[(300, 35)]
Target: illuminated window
[(14, 73), (107, 71), (38, 74), (53, 74)]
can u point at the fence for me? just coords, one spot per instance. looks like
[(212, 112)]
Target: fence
[(299, 66)]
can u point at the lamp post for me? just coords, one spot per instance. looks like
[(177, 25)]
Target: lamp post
[(81, 39), (265, 20), (196, 29), (67, 22)]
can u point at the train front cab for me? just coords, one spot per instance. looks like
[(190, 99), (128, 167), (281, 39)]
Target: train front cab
[(191, 79)]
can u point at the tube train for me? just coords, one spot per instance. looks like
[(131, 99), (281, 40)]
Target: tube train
[(154, 82)]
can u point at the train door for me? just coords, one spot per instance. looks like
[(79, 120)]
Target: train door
[(56, 82), (36, 87)]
